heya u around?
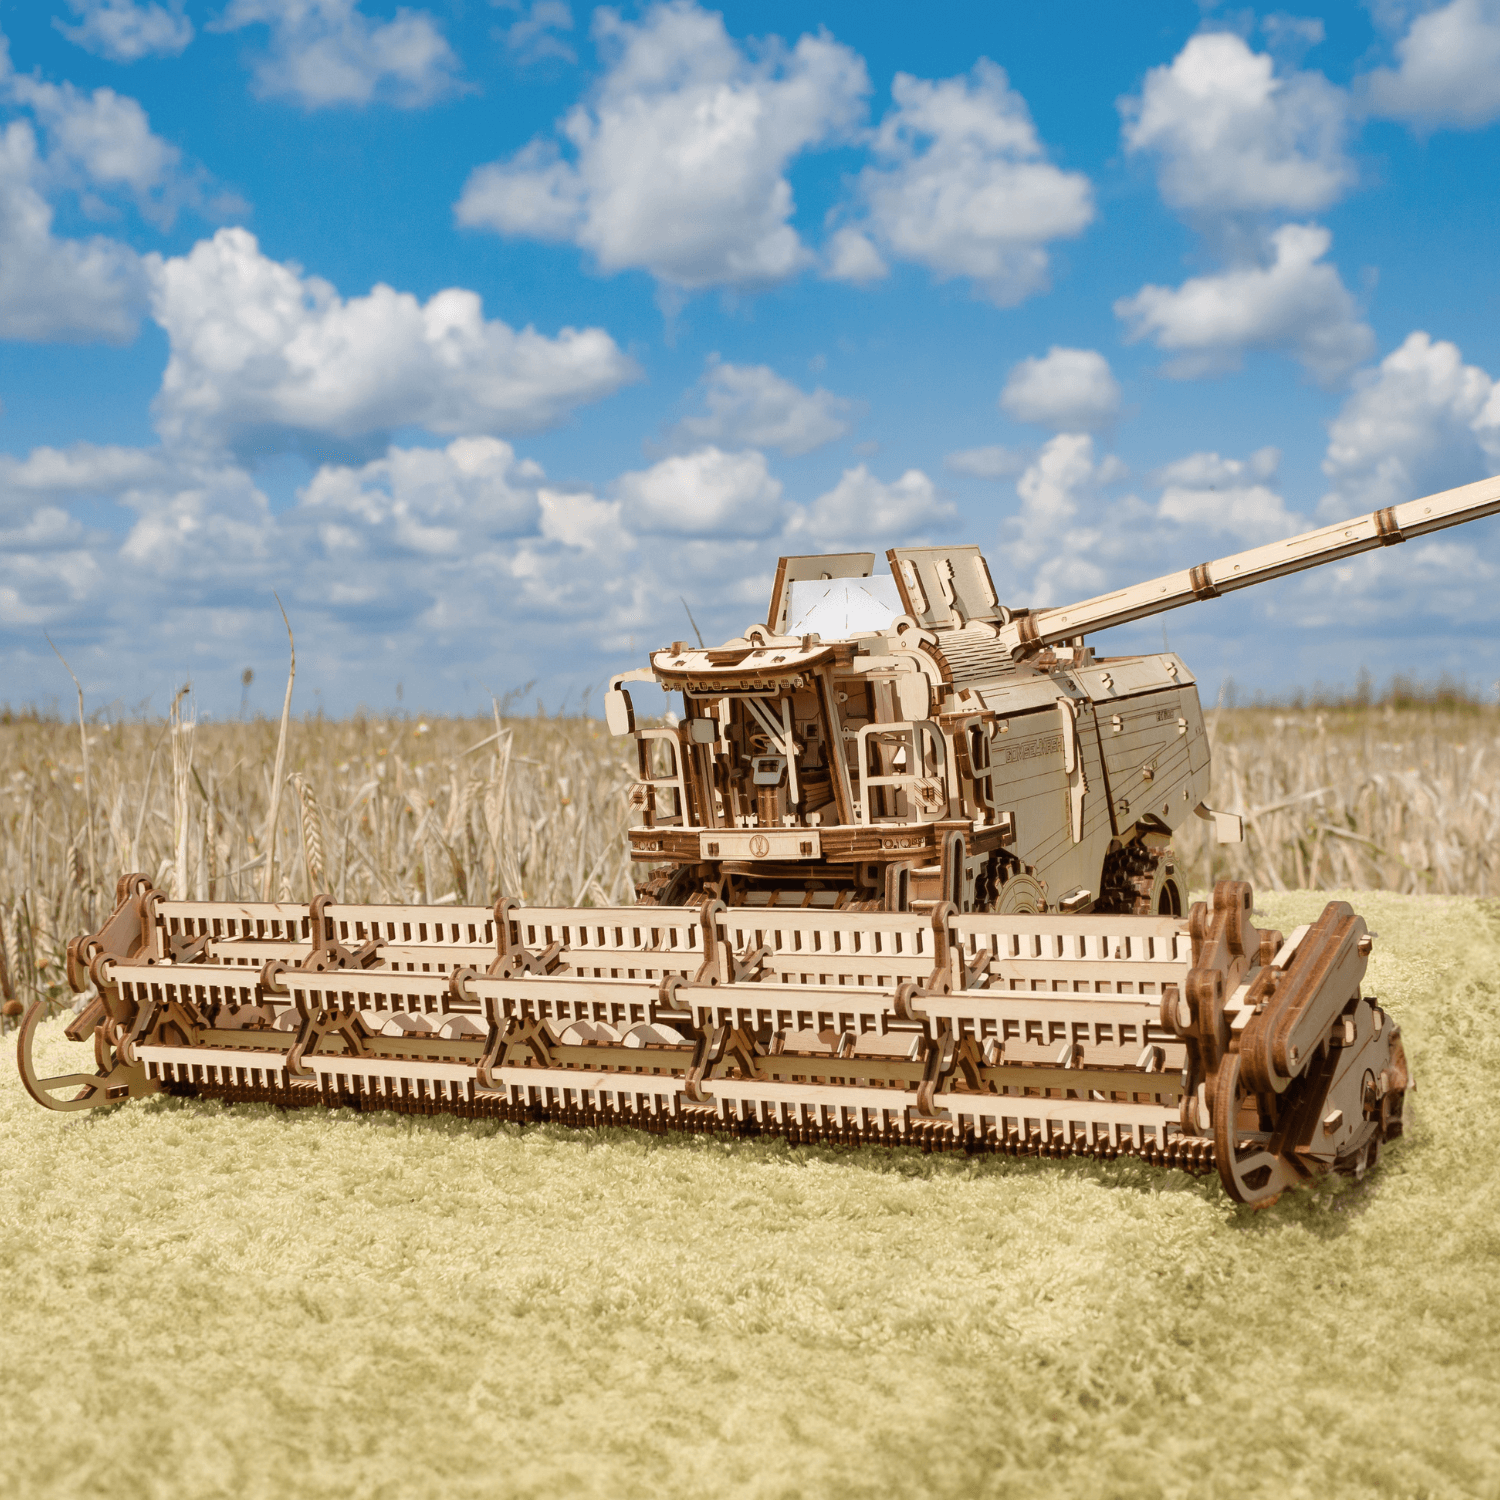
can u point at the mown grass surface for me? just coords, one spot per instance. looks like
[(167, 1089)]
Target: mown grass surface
[(205, 1301)]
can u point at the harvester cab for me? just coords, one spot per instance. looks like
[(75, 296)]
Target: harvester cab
[(878, 745)]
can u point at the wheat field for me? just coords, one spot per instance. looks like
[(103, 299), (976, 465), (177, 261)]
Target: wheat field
[(389, 810), (1356, 798), (1386, 797)]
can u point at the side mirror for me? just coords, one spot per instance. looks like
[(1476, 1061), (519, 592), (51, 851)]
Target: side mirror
[(619, 712), (703, 731), (1229, 828)]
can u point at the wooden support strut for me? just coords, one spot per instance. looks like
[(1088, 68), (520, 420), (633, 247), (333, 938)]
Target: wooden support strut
[(949, 974), (328, 953), (127, 933), (1281, 1040), (708, 1052), (346, 1022), (512, 957), (188, 950), (947, 1057), (721, 964)]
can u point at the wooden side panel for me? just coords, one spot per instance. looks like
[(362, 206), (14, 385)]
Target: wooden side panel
[(1031, 785), (1156, 752)]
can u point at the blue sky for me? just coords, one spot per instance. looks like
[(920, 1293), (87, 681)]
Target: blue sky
[(487, 333)]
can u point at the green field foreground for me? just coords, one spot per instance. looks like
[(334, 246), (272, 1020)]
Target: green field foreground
[(206, 1301)]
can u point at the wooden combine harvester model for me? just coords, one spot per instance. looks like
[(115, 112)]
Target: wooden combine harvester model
[(914, 884)]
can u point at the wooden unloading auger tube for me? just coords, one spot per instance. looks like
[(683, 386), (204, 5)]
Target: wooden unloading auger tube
[(1193, 1042), (1381, 528)]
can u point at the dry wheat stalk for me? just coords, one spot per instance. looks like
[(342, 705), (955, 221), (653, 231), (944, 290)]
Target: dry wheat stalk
[(312, 834), (272, 890), (182, 810)]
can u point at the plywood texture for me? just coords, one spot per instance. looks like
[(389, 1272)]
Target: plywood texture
[(205, 1301)]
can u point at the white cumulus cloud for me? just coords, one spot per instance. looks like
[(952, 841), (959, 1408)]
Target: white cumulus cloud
[(411, 566), (1074, 537), (1420, 422), (43, 529), (1289, 37), (583, 521), (862, 509), (751, 406), (329, 52), (1297, 303), (1070, 390), (53, 288), (1230, 135), (49, 581), (851, 256), (1230, 495), (1056, 481), (1208, 471), (103, 141), (1056, 536), (961, 184), (1447, 69), (203, 528), (126, 31), (439, 502), (258, 347), (676, 164), (709, 493), (81, 469)]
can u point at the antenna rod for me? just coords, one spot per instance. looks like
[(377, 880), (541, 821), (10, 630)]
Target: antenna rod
[(693, 623)]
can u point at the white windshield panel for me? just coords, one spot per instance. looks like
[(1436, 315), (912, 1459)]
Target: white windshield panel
[(838, 609)]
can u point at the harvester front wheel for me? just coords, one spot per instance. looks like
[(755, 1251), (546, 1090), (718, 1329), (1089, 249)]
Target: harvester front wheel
[(1141, 882)]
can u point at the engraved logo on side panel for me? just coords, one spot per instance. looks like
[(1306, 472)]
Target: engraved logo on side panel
[(1047, 744)]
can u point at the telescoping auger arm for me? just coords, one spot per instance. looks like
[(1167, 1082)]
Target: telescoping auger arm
[(1381, 528)]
